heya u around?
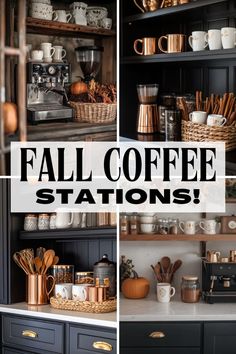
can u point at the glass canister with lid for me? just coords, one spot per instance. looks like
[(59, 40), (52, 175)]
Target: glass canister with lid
[(190, 289), (84, 278), (63, 273)]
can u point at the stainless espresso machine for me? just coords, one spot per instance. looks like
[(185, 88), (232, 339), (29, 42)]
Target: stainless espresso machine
[(46, 94)]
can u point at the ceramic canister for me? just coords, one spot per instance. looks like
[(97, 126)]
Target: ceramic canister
[(105, 269)]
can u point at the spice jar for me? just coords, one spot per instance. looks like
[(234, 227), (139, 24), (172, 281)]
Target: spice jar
[(112, 219), (124, 224), (30, 222), (52, 222), (63, 273), (190, 289), (84, 278), (134, 224), (43, 222)]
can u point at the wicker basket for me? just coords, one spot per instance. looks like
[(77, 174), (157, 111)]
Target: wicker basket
[(202, 132), (84, 306), (94, 112)]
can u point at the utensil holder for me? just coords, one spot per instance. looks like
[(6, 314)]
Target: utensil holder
[(37, 289)]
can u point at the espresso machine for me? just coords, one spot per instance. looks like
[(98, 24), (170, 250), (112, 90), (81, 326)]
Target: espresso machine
[(218, 281), (148, 119), (46, 93)]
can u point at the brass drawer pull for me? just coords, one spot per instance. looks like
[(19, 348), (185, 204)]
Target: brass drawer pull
[(157, 335), (103, 346), (28, 333)]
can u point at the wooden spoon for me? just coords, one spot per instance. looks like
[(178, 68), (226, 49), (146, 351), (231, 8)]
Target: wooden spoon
[(165, 263), (176, 266), (157, 271), (55, 260), (38, 264), (47, 260), (16, 258)]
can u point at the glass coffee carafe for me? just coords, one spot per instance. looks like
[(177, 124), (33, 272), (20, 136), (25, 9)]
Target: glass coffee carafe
[(147, 121)]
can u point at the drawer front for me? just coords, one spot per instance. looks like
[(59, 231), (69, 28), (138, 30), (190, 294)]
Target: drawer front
[(160, 351), (219, 338), (160, 334), (39, 335), (85, 341), (12, 351)]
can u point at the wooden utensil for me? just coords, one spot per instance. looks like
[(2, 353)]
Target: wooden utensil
[(177, 264), (47, 260), (16, 258), (55, 260), (165, 263), (38, 264)]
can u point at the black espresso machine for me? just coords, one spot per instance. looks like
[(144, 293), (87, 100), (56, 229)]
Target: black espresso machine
[(218, 281), (46, 92)]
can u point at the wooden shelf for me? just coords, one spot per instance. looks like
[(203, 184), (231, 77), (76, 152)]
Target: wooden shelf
[(180, 237), (104, 232), (223, 54), (171, 10), (54, 28)]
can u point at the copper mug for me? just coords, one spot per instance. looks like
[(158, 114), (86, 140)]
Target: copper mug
[(232, 256), (147, 5), (37, 289), (176, 43), (149, 46)]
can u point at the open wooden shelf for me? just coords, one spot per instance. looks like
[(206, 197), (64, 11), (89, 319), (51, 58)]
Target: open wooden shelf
[(104, 232), (193, 5), (180, 237), (55, 28), (222, 54)]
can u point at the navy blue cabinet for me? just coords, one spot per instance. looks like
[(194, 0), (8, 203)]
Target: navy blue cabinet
[(219, 338)]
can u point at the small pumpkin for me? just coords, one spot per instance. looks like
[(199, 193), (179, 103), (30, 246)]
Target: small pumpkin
[(78, 87), (9, 117), (136, 287)]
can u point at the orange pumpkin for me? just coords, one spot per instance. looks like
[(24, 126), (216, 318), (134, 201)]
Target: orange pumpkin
[(10, 117), (136, 287), (78, 87)]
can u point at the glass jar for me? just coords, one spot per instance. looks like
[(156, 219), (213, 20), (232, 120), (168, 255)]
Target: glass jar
[(124, 224), (30, 222), (43, 221), (190, 289), (84, 278), (63, 273), (174, 227), (134, 224)]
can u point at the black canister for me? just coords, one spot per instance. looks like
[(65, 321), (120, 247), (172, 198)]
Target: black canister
[(173, 125), (103, 270)]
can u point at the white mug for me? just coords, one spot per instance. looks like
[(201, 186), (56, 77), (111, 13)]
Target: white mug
[(77, 219), (165, 292), (63, 291), (188, 227), (228, 37), (59, 54), (208, 226), (198, 117), (197, 41), (42, 11), (48, 51), (80, 292), (106, 23), (63, 16), (64, 219), (216, 120), (213, 37), (147, 219), (37, 55), (147, 228)]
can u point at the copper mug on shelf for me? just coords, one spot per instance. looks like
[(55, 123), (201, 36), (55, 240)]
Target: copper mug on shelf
[(176, 43), (38, 290), (149, 46), (147, 5)]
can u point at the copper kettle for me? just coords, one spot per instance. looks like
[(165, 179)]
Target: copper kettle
[(147, 5)]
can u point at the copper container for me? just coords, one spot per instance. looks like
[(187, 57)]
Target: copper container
[(37, 289), (176, 43), (148, 121), (147, 5), (181, 2), (148, 46)]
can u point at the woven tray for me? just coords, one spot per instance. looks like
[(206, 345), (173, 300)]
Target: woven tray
[(202, 132), (84, 306), (94, 112)]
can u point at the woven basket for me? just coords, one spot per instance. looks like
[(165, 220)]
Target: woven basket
[(94, 112), (84, 306), (202, 132)]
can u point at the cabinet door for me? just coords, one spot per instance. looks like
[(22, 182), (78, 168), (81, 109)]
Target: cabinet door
[(160, 351), (13, 351), (220, 338)]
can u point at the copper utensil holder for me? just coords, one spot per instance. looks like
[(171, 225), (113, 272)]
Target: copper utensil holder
[(37, 289)]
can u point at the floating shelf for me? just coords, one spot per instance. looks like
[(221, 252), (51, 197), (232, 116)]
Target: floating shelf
[(54, 28), (104, 232), (171, 10), (180, 237), (222, 54)]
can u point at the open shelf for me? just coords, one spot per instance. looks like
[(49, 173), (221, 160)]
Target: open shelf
[(222, 54), (55, 28), (180, 237), (171, 10), (104, 232)]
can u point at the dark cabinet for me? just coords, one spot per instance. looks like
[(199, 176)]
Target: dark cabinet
[(160, 351), (219, 338)]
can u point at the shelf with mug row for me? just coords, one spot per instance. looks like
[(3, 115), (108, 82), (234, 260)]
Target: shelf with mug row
[(179, 237), (104, 232), (193, 5), (221, 54), (54, 28)]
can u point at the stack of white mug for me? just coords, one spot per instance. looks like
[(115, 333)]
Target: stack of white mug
[(213, 120), (147, 223), (48, 53), (216, 39)]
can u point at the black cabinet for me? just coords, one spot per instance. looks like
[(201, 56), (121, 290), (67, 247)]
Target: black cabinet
[(220, 338), (160, 351)]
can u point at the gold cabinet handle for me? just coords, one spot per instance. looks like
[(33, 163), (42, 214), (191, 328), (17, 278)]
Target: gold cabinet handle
[(157, 335), (28, 333), (103, 346)]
